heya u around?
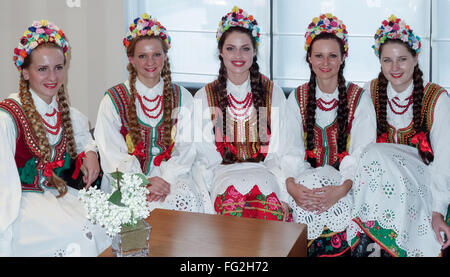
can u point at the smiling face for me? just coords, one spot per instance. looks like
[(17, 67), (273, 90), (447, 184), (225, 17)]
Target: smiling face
[(45, 73), (326, 59), (148, 59), (397, 65), (237, 54)]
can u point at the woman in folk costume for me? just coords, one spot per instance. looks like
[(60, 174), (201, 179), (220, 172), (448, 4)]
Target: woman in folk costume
[(143, 125), (39, 214), (402, 188), (330, 122), (237, 160)]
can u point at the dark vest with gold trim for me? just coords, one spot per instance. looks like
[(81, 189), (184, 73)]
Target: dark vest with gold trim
[(27, 156), (151, 137), (249, 147), (325, 140), (431, 93)]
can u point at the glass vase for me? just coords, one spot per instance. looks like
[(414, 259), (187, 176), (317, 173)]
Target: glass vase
[(132, 241)]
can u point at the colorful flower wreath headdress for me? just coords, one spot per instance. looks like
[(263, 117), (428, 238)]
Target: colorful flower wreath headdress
[(39, 33), (146, 26), (326, 23), (238, 18), (395, 28)]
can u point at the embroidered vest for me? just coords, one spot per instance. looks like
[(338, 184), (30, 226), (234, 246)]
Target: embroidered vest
[(151, 137), (27, 156), (431, 93), (325, 140), (251, 145)]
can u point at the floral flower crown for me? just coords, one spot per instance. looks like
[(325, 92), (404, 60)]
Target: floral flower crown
[(326, 23), (238, 18), (146, 26), (39, 33), (395, 28)]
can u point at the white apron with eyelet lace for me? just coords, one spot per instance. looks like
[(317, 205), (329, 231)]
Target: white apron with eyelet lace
[(335, 218)]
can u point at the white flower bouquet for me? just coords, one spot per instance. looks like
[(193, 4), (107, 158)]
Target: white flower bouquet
[(124, 207)]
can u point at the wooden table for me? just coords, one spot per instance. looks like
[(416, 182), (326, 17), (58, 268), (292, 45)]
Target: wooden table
[(184, 234)]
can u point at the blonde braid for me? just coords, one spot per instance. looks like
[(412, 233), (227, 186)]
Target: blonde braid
[(168, 103), (67, 122), (35, 120), (133, 123)]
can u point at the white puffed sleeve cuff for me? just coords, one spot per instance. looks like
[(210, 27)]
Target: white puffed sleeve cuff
[(347, 168), (81, 131), (440, 167), (363, 133), (440, 196), (10, 186)]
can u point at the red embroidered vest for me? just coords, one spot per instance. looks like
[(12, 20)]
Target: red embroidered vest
[(27, 155), (151, 137), (251, 145), (431, 93), (325, 140)]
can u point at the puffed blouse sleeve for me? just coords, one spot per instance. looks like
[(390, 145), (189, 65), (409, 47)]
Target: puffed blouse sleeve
[(293, 148), (111, 144), (10, 186), (81, 132), (275, 156), (440, 167), (183, 155), (207, 158), (363, 132)]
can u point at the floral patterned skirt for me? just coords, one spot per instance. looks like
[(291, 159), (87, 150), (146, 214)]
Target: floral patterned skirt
[(375, 241), (329, 244), (254, 204)]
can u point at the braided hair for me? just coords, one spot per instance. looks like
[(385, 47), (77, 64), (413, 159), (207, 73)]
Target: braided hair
[(342, 112), (258, 94), (381, 94), (168, 95)]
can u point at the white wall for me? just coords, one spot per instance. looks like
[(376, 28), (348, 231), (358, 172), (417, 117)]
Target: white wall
[(94, 29)]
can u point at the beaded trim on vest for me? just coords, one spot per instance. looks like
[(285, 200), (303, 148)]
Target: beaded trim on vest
[(120, 97), (325, 140), (27, 146), (247, 149), (431, 93)]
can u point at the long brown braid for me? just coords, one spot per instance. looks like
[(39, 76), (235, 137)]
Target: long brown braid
[(258, 93), (168, 94), (382, 125), (342, 112), (38, 127)]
